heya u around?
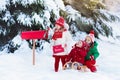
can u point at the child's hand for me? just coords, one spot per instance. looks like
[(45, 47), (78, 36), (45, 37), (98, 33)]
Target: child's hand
[(92, 57)]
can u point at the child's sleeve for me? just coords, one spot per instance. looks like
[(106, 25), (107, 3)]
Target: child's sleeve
[(96, 53)]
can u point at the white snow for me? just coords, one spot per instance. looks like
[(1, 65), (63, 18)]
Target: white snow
[(60, 4), (37, 18), (17, 40), (24, 19), (23, 2), (116, 28), (18, 66), (3, 4)]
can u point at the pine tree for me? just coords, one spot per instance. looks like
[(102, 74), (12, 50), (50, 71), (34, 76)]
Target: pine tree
[(24, 15)]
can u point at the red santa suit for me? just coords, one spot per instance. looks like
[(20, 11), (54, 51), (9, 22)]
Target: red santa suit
[(78, 54)]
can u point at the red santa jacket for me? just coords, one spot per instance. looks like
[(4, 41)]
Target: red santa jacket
[(78, 54)]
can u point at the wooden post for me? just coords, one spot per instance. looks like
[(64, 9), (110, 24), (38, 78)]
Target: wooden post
[(33, 51), (33, 35)]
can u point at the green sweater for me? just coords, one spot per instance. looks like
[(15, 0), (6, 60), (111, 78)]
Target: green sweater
[(93, 51)]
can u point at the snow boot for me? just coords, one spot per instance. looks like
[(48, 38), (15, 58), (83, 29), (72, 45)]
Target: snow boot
[(93, 69)]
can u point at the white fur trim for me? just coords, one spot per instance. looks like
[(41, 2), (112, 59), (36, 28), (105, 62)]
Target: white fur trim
[(92, 37)]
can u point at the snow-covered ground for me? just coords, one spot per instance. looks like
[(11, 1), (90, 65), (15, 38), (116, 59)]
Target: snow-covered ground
[(18, 66)]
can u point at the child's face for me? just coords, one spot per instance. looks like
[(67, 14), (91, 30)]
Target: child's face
[(79, 44), (88, 40), (57, 26)]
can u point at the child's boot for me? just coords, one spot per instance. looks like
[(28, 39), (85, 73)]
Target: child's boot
[(93, 69)]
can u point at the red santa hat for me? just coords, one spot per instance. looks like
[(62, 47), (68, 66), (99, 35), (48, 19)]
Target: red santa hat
[(91, 35), (60, 21)]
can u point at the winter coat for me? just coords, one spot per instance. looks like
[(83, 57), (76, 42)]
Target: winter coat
[(93, 51), (64, 41), (77, 54)]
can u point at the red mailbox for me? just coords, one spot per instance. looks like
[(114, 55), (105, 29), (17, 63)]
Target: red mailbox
[(34, 35)]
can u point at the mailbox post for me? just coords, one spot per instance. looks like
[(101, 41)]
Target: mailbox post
[(33, 35)]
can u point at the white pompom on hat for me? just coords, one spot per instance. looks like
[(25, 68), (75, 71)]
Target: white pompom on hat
[(92, 35)]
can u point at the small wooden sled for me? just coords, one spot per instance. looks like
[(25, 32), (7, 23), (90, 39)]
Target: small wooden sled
[(75, 66), (78, 66), (68, 65)]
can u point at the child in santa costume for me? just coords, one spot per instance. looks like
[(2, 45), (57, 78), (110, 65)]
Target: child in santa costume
[(60, 38), (93, 53), (78, 53)]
